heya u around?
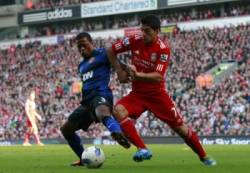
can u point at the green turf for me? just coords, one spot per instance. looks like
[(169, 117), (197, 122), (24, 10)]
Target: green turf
[(166, 159)]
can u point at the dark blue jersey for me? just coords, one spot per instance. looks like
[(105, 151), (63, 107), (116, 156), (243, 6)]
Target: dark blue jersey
[(95, 75)]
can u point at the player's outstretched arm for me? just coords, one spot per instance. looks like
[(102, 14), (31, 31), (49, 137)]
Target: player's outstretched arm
[(122, 74), (38, 116)]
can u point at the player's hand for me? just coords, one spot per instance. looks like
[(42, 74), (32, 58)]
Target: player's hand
[(122, 76), (132, 72), (39, 118)]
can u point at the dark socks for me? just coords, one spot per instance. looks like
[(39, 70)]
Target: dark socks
[(74, 142)]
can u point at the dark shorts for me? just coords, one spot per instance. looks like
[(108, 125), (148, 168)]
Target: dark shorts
[(84, 115)]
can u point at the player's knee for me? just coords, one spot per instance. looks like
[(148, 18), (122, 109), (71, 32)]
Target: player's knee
[(182, 131), (120, 112), (63, 130), (66, 130), (35, 132), (102, 111)]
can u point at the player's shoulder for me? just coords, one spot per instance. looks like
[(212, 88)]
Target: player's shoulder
[(164, 50), (136, 37), (132, 39), (163, 45), (100, 50)]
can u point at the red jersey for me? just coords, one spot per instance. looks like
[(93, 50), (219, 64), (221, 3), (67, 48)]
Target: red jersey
[(146, 58)]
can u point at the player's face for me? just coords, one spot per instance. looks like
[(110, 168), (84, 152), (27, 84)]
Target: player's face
[(85, 47), (149, 35), (32, 95)]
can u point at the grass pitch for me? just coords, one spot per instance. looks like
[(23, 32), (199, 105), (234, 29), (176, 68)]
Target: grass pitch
[(166, 159)]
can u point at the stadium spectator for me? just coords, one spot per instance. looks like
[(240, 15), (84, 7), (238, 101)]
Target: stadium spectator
[(194, 52)]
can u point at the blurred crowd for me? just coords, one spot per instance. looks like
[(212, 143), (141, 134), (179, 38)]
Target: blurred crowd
[(43, 4), (169, 16), (221, 109)]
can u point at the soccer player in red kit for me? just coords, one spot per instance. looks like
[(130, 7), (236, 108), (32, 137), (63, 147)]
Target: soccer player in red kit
[(150, 58), (32, 116)]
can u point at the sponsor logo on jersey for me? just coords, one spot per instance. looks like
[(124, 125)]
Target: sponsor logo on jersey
[(153, 57), (164, 57), (87, 75)]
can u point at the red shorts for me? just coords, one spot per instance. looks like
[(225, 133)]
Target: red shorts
[(28, 122), (160, 104)]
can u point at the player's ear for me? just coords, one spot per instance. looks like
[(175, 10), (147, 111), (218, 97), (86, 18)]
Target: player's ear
[(157, 31)]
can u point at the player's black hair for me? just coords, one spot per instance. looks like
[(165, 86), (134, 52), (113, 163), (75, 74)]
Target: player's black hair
[(152, 21), (84, 35)]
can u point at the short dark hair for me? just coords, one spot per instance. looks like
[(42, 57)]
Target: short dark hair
[(152, 21), (84, 35)]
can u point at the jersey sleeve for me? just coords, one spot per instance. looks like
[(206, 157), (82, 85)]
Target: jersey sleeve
[(125, 44), (162, 61)]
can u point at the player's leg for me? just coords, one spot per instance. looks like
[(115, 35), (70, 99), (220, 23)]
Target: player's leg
[(125, 109), (79, 119), (27, 136), (128, 127), (27, 133), (74, 141), (26, 139), (102, 108), (35, 132), (164, 108), (192, 140)]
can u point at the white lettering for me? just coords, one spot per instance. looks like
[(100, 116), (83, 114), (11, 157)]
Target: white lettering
[(207, 141), (57, 14), (109, 142), (159, 67), (221, 141), (87, 75), (242, 142), (115, 7)]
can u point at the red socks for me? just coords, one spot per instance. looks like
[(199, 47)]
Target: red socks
[(193, 142), (130, 132), (27, 137)]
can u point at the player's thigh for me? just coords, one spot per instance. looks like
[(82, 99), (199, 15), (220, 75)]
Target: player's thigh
[(29, 126), (28, 123), (30, 129), (164, 108), (80, 118), (100, 107), (130, 105), (35, 129)]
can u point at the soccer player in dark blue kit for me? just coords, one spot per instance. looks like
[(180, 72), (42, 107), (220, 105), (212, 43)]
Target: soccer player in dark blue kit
[(97, 99)]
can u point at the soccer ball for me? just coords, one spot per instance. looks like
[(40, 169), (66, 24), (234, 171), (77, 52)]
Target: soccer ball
[(93, 157)]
